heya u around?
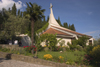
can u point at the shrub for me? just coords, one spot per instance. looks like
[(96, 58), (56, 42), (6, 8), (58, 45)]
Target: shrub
[(29, 48), (82, 41), (95, 53), (72, 46), (40, 48), (58, 48), (92, 55), (51, 40), (87, 59), (97, 42), (88, 49), (67, 48), (46, 49), (79, 48), (62, 43)]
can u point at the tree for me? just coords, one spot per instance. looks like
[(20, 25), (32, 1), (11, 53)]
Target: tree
[(1, 20), (65, 25), (33, 12), (47, 18), (19, 12), (9, 10), (59, 22), (69, 27), (14, 9), (72, 27), (13, 26), (21, 15)]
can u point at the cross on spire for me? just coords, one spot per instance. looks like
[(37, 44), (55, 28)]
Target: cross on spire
[(51, 5)]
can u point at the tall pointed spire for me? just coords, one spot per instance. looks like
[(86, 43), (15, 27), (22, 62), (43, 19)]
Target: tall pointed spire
[(52, 20)]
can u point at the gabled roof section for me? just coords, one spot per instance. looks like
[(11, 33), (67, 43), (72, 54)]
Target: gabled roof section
[(53, 31), (74, 32)]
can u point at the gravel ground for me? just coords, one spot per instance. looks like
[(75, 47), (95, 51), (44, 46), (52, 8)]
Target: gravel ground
[(15, 63)]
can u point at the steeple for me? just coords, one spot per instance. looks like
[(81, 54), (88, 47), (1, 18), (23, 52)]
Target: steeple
[(52, 20)]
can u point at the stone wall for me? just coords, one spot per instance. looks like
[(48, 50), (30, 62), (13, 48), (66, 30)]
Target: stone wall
[(11, 47)]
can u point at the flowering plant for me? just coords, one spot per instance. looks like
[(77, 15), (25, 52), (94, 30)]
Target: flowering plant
[(95, 53), (60, 57), (48, 56), (87, 59), (29, 48)]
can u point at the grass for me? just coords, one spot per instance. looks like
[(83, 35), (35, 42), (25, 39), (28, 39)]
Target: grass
[(67, 55)]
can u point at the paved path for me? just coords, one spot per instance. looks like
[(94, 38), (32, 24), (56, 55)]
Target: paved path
[(14, 63)]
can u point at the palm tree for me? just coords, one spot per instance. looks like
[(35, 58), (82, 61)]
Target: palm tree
[(33, 12)]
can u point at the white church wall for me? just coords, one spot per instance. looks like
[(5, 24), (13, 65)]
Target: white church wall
[(66, 41)]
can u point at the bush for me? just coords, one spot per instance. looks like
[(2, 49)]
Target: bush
[(79, 48), (97, 42), (67, 48), (40, 48), (95, 53), (88, 49), (29, 48), (72, 46), (58, 48), (62, 43), (92, 55)]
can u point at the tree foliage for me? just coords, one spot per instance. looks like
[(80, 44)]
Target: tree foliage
[(65, 25), (14, 9), (33, 12), (19, 12), (80, 42), (71, 27), (51, 38), (59, 22), (13, 26)]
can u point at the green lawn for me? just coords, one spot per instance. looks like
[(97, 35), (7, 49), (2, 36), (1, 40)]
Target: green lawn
[(67, 55)]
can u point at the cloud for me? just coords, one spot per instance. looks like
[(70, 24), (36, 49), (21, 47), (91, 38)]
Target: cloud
[(24, 5), (9, 3), (92, 32), (89, 13)]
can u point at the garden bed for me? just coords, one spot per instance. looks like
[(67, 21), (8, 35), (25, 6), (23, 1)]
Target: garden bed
[(32, 60)]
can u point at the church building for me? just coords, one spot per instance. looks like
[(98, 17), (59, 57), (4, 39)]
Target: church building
[(64, 33)]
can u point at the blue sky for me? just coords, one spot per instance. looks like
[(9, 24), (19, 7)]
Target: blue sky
[(84, 14)]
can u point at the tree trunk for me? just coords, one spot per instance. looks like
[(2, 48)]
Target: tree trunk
[(32, 31)]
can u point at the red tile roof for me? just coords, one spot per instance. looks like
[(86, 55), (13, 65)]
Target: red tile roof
[(71, 31), (53, 31)]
